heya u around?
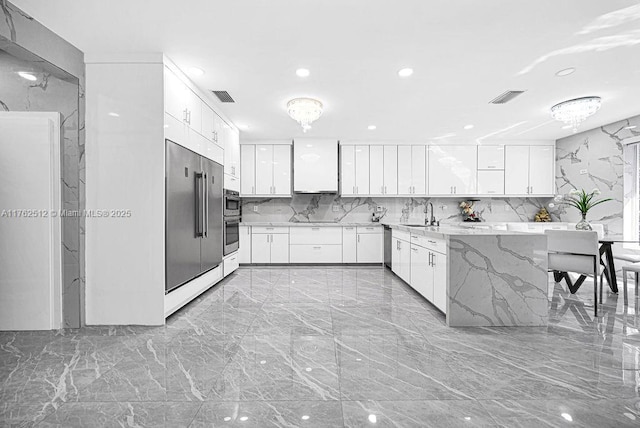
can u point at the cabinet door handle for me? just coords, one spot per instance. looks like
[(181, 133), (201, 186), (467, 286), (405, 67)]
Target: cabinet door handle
[(317, 248), (490, 166), (382, 190), (269, 228), (531, 191), (385, 190), (358, 238), (253, 190), (414, 249), (431, 242), (315, 228), (430, 257), (357, 193), (433, 260)]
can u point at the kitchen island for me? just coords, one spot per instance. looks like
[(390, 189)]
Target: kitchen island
[(477, 277)]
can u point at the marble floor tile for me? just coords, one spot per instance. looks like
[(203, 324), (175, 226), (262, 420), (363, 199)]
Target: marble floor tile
[(416, 413), (328, 346), (259, 414), (123, 414)]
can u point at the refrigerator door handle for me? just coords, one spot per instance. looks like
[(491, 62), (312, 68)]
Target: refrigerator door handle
[(198, 202), (205, 197)]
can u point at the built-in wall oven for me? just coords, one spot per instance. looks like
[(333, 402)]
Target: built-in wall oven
[(231, 234), (231, 203)]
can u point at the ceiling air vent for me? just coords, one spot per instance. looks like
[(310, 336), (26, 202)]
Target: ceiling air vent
[(505, 97), (223, 96)]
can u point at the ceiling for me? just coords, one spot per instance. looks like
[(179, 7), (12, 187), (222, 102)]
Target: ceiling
[(464, 53)]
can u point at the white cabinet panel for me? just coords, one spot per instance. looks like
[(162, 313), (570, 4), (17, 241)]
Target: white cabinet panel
[(315, 165), (244, 244), (490, 157), (453, 170), (395, 255), (231, 152), (174, 95), (194, 111), (516, 170), (439, 267), (390, 170), (310, 235), (261, 248), (248, 165), (370, 248), (541, 170), (230, 263), (280, 248), (405, 183), (404, 270), (316, 253), (376, 170), (231, 183), (421, 275), (412, 170), (264, 169), (208, 124), (491, 182), (347, 170), (281, 170), (362, 170), (349, 245), (419, 169)]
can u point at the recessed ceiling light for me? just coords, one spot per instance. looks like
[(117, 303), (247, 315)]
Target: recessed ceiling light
[(567, 127), (565, 72), (27, 76), (195, 71), (468, 127), (113, 114), (303, 72), (371, 127), (305, 417), (630, 127), (405, 72)]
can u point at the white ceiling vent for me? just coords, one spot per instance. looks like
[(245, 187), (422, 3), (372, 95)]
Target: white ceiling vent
[(223, 96), (505, 97)]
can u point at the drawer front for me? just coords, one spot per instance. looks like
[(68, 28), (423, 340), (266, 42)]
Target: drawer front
[(264, 229), (315, 254), (401, 234), (230, 264), (434, 244), (370, 229), (307, 235)]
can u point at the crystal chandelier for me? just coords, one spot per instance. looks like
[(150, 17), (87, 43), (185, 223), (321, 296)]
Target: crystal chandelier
[(304, 111), (573, 112)]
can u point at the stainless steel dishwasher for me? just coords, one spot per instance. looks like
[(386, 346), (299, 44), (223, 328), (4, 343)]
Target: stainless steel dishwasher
[(387, 246)]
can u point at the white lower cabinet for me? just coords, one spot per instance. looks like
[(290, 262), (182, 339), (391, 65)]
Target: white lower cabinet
[(244, 245), (270, 245), (439, 269), (401, 255), (349, 245), (428, 269), (315, 244), (316, 254), (421, 272), (230, 263), (370, 244)]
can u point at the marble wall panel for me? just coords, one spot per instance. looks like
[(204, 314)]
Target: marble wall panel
[(59, 69)]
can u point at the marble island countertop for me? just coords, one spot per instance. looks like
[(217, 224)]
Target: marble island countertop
[(312, 224), (453, 230)]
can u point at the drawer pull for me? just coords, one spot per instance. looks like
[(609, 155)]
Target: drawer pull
[(414, 237), (317, 248), (431, 242), (269, 228), (414, 249), (315, 228)]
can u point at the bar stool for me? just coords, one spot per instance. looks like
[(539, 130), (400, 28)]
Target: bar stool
[(634, 267)]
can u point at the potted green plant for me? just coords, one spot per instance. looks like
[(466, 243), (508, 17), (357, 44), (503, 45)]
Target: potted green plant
[(583, 202)]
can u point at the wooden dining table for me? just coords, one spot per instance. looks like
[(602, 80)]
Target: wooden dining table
[(606, 260)]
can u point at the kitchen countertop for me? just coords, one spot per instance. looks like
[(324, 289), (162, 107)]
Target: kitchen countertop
[(446, 230), (312, 224)]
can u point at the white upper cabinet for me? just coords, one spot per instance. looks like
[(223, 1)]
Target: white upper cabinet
[(529, 170), (248, 168), (355, 170), (453, 170), (315, 165), (266, 170), (231, 151), (490, 157), (281, 170), (542, 170), (207, 122), (390, 171), (516, 170), (174, 96), (412, 170), (194, 111)]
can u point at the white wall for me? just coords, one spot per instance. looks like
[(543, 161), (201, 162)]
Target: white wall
[(125, 171)]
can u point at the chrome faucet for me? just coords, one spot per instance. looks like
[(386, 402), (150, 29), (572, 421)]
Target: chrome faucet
[(432, 220)]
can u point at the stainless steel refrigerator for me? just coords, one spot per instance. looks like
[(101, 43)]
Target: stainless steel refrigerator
[(193, 217)]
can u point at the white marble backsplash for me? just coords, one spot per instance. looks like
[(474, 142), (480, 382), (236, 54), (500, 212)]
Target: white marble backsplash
[(331, 207)]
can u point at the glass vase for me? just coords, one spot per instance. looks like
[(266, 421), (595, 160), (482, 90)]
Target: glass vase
[(583, 224)]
